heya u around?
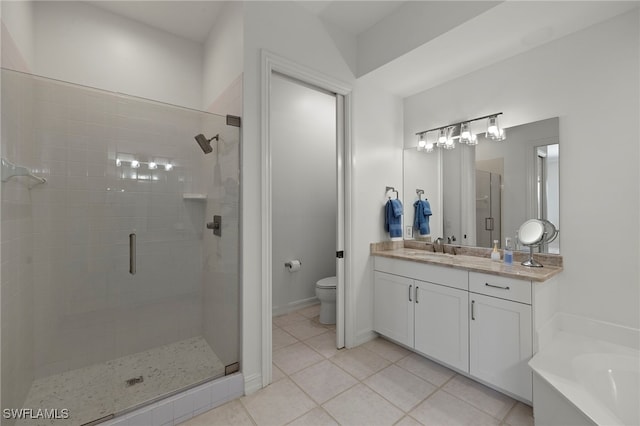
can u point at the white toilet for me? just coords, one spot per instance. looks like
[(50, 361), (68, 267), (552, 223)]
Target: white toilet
[(326, 293)]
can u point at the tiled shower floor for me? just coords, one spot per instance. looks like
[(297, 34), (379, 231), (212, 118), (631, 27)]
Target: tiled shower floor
[(98, 390)]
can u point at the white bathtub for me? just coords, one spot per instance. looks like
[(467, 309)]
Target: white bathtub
[(598, 380)]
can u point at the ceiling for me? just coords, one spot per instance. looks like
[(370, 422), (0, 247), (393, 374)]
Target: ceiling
[(193, 20), (508, 29), (353, 17)]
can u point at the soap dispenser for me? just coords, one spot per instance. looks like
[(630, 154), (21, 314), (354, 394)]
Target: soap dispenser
[(495, 254), (508, 252)]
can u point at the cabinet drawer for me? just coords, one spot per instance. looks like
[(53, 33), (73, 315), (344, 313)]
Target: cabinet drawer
[(442, 275), (502, 287)]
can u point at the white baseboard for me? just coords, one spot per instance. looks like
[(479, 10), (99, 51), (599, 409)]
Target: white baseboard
[(364, 336), (252, 383), (294, 306)]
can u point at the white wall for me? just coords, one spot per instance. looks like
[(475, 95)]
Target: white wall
[(17, 35), (377, 134), (590, 80), (303, 160), (83, 44), (287, 29), (222, 61)]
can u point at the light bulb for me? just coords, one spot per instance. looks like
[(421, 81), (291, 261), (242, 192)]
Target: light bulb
[(168, 166), (473, 140), (135, 164), (421, 142), (493, 130), (429, 147), (118, 162), (152, 166), (449, 144), (465, 133), (442, 138)]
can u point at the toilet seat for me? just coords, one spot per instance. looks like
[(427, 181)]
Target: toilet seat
[(329, 283)]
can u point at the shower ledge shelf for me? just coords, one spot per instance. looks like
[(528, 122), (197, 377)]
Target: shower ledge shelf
[(194, 196)]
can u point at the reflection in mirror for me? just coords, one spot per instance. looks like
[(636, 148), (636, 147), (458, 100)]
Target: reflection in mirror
[(485, 192)]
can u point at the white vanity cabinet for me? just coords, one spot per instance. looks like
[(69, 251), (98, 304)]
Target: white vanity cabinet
[(441, 328), (393, 307), (430, 317), (500, 330), (480, 324)]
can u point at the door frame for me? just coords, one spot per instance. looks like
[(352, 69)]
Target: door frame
[(346, 304)]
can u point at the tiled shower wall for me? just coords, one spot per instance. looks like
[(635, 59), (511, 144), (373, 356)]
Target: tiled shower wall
[(17, 277), (68, 297)]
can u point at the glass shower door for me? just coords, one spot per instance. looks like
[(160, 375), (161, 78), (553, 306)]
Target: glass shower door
[(174, 282)]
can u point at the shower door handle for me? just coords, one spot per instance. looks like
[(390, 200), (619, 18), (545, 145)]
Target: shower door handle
[(132, 253), (488, 224)]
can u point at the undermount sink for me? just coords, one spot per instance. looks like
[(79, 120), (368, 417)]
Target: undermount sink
[(426, 253)]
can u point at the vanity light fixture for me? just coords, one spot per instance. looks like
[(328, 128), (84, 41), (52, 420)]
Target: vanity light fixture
[(447, 135)]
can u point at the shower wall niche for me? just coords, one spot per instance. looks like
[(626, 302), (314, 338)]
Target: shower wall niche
[(75, 320)]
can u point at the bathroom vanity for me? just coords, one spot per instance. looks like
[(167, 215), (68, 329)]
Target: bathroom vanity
[(464, 311)]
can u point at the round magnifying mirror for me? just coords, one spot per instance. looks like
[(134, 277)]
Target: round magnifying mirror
[(531, 232)]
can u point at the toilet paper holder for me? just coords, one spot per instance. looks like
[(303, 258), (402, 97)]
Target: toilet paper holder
[(289, 265)]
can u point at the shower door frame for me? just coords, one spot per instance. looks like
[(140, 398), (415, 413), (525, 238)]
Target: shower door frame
[(345, 308)]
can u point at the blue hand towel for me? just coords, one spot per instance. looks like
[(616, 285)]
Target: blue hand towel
[(421, 216), (393, 218)]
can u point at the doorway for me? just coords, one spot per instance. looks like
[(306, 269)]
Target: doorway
[(306, 181)]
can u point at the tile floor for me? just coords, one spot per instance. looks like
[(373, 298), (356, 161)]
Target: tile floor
[(378, 383)]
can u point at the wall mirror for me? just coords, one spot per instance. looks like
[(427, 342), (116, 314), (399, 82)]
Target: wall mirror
[(483, 193)]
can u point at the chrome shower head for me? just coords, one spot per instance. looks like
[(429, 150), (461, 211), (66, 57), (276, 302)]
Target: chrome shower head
[(205, 143)]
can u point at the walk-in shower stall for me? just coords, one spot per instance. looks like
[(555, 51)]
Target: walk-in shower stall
[(118, 285)]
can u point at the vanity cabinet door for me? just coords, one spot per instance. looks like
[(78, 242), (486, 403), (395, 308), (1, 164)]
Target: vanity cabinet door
[(393, 307), (500, 343), (442, 324)]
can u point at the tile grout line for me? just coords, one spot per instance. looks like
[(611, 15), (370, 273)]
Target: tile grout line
[(504, 419), (246, 411)]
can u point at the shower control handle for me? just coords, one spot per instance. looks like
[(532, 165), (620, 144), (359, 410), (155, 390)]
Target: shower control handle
[(216, 225)]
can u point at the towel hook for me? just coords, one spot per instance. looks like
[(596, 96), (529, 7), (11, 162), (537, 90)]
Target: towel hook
[(392, 189), (420, 192)]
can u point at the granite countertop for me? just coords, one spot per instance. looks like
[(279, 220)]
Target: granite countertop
[(470, 259)]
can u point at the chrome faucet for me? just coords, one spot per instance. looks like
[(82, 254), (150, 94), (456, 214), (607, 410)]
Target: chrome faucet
[(438, 245)]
